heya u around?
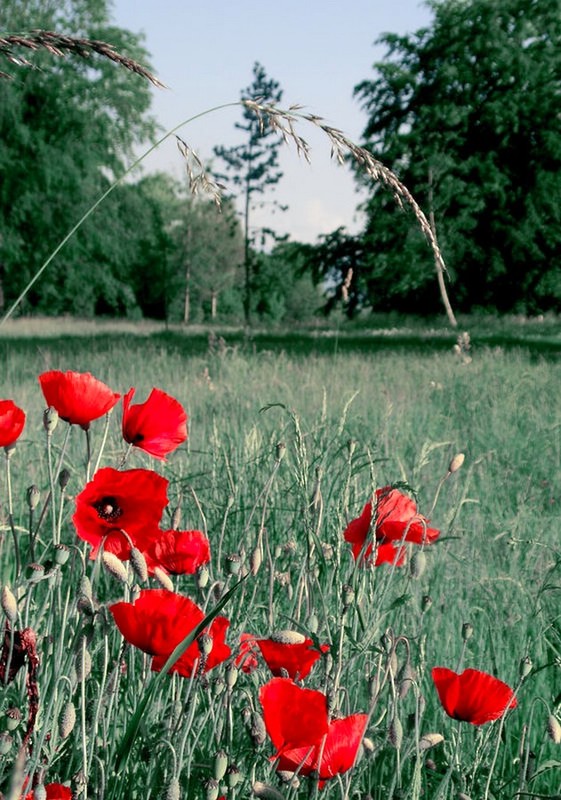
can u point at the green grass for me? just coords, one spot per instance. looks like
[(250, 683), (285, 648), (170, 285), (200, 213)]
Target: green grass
[(407, 407)]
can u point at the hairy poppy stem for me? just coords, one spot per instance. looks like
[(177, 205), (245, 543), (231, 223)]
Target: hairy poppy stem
[(11, 512)]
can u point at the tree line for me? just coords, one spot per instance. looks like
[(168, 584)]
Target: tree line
[(463, 111)]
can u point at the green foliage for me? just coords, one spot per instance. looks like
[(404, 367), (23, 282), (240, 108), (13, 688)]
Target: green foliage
[(67, 126), (252, 166), (465, 111)]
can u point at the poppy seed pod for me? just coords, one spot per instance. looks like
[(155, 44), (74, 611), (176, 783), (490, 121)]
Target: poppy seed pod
[(62, 554), (6, 742), (467, 631), (220, 765), (13, 718), (33, 496), (63, 478), (40, 793), (212, 788), (233, 776), (232, 673)]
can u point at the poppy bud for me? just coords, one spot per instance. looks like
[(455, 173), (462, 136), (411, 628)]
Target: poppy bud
[(426, 603), (5, 743), (13, 718), (417, 564), (115, 566), (525, 667), (347, 596), (163, 579), (554, 729), (232, 673), (467, 631), (266, 791), (83, 664), (138, 564), (386, 640), (67, 720), (368, 744), (288, 777), (203, 576), (406, 679), (313, 622), (220, 765), (280, 451), (218, 686), (50, 419), (255, 560), (430, 740), (233, 776), (257, 729), (9, 604), (456, 462), (430, 764), (63, 478), (395, 733), (40, 793), (33, 496), (351, 447), (211, 789), (173, 791), (462, 796), (62, 554)]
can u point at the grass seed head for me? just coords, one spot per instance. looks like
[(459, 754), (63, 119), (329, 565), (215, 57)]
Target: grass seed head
[(395, 733)]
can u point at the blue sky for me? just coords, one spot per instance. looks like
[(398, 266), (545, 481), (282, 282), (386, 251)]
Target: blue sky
[(317, 50)]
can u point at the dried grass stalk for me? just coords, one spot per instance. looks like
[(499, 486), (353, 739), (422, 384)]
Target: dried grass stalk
[(59, 45)]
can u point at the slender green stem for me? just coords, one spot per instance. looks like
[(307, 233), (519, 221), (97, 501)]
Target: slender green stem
[(100, 200)]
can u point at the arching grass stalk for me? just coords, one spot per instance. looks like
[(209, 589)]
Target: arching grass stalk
[(282, 121)]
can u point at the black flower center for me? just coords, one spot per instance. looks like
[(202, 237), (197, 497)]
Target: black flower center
[(108, 508)]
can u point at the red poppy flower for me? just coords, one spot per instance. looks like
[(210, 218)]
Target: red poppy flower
[(336, 754), (12, 420), (246, 660), (55, 791), (131, 500), (178, 552), (290, 651), (472, 696), (157, 426), (297, 723), (78, 397), (159, 620), (396, 520)]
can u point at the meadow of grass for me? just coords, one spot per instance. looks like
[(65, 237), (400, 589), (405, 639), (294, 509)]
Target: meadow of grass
[(285, 447)]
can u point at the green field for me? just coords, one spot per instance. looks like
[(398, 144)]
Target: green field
[(353, 411)]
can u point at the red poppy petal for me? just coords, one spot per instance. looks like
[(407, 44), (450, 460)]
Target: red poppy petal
[(12, 421), (357, 530), (158, 426), (296, 659), (293, 716), (78, 397), (472, 696)]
